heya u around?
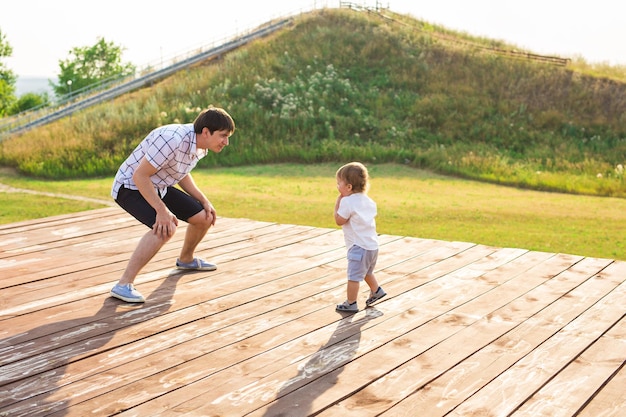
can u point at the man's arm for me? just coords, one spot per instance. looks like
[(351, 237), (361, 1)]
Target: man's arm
[(166, 222)]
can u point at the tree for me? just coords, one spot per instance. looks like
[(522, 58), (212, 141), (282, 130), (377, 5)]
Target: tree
[(91, 65), (7, 77), (28, 101)]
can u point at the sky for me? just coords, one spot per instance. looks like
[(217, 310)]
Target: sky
[(42, 32)]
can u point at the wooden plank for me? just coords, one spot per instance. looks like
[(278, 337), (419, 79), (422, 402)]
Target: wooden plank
[(17, 325), (81, 271), (434, 332), (567, 393), (449, 375), (43, 261), (254, 382), (254, 312), (231, 354), (39, 234), (38, 256), (158, 268), (512, 388), (611, 400), (40, 263), (385, 360), (462, 325), (112, 360), (33, 224)]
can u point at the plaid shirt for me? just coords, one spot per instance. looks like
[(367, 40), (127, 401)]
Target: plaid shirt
[(171, 149)]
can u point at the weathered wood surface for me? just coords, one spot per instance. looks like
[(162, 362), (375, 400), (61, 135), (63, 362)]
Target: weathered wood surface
[(466, 330)]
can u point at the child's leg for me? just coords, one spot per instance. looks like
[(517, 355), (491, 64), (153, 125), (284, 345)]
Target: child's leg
[(376, 291), (372, 282), (353, 291)]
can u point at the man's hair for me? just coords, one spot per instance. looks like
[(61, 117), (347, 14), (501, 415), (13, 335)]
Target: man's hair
[(355, 174), (214, 119)]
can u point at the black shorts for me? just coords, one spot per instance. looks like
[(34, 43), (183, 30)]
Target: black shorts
[(181, 204)]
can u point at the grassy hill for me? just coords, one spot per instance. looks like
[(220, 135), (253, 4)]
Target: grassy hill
[(341, 85)]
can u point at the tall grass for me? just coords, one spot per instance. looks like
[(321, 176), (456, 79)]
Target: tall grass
[(341, 85)]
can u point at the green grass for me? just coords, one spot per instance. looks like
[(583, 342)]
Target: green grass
[(16, 207), (411, 202)]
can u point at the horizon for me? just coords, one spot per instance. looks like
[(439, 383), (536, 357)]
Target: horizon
[(32, 84)]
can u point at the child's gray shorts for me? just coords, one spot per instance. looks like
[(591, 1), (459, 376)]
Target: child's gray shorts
[(361, 262)]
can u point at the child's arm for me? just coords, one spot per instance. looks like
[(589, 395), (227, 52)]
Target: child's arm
[(338, 219)]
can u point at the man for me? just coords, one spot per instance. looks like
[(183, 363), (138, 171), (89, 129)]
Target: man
[(144, 187)]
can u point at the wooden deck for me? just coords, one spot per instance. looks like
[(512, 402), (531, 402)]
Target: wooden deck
[(466, 330)]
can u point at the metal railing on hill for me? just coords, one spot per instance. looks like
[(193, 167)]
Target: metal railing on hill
[(109, 89)]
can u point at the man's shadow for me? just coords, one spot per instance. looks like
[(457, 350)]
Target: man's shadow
[(33, 364), (327, 363)]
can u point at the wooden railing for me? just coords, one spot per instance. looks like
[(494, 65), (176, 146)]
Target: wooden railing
[(380, 10)]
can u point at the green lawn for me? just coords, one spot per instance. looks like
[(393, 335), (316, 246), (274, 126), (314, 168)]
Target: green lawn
[(410, 203), (15, 207)]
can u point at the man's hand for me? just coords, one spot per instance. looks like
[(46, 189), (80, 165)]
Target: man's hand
[(165, 225), (210, 212)]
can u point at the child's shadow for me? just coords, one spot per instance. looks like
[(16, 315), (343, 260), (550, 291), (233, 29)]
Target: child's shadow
[(322, 370), (33, 364)]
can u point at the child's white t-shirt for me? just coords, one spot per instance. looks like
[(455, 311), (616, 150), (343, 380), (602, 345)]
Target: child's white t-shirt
[(360, 210)]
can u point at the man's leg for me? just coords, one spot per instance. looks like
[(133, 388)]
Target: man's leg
[(199, 225), (148, 246)]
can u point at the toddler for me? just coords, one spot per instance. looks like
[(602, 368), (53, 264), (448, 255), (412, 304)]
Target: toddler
[(355, 212)]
